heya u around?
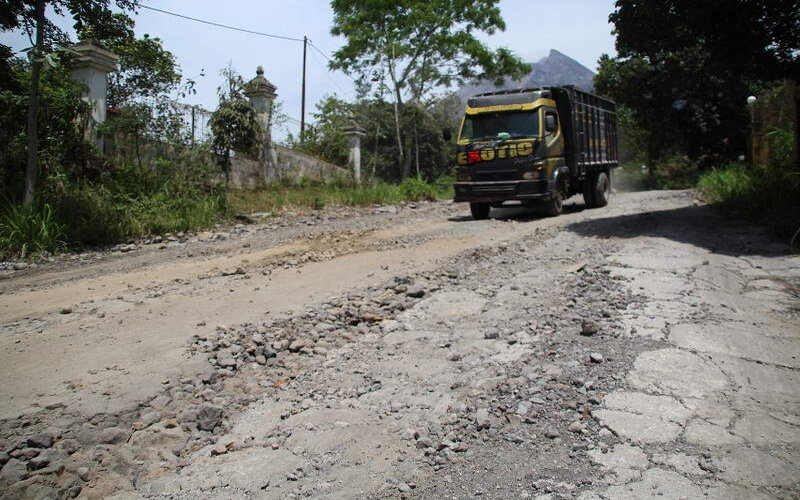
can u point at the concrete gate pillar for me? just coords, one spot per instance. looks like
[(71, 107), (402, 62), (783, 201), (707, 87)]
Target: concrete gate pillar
[(261, 93), (354, 133), (92, 65)]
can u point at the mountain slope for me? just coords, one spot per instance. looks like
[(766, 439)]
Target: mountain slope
[(555, 69)]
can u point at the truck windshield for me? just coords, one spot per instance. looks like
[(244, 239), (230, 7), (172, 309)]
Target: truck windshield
[(487, 125)]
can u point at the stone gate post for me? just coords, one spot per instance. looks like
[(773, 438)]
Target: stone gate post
[(92, 65), (261, 93), (354, 133)]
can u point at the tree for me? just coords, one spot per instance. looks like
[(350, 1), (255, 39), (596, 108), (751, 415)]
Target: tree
[(420, 45), (756, 38), (146, 68), (686, 85), (21, 14), (428, 152), (325, 138), (30, 15), (235, 123)]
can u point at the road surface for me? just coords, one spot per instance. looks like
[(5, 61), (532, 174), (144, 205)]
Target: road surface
[(648, 348)]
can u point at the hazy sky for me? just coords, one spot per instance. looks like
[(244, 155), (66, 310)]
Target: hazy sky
[(578, 28)]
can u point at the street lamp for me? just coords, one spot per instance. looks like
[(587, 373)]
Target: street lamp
[(751, 149)]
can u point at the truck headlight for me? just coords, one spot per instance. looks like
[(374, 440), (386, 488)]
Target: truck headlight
[(529, 176), (463, 177)]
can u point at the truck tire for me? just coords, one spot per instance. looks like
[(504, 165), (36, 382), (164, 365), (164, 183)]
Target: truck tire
[(555, 205), (588, 191), (602, 189), (597, 190), (480, 211)]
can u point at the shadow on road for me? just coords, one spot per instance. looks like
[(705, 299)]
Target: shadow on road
[(518, 213), (700, 226)]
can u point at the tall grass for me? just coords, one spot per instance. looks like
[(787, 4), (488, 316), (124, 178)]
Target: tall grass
[(29, 230), (95, 214), (124, 204), (305, 193), (765, 193)]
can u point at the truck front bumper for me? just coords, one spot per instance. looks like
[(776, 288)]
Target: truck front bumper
[(503, 191)]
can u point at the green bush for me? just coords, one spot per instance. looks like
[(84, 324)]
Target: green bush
[(308, 193), (28, 231), (126, 201), (674, 172), (733, 186), (416, 189), (769, 194)]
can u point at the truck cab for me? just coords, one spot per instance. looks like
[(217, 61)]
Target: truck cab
[(535, 145)]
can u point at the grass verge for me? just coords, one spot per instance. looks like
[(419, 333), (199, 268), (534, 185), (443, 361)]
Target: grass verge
[(83, 214), (304, 193), (767, 194), (29, 230)]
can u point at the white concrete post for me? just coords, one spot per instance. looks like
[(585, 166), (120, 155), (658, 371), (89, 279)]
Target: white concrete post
[(261, 93), (354, 133), (92, 65)]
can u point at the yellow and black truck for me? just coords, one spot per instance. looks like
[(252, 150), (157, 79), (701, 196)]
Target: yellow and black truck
[(536, 145)]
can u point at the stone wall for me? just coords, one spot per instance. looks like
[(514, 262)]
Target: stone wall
[(247, 174), (297, 164)]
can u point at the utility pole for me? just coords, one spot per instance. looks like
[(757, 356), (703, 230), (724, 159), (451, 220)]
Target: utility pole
[(32, 167), (303, 97)]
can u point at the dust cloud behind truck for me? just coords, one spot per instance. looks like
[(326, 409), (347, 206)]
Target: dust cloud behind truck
[(536, 145)]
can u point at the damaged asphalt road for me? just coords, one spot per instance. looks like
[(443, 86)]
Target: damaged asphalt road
[(646, 349)]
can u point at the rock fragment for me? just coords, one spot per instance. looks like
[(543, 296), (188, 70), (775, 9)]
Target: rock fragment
[(551, 434), (208, 417), (40, 440), (12, 471), (576, 426), (482, 419), (589, 328)]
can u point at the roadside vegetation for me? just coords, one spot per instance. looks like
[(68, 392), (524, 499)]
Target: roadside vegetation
[(767, 193), (683, 109), (113, 210), (308, 193)]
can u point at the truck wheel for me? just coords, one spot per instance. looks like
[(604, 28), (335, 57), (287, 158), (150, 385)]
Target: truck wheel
[(602, 189), (480, 211), (588, 191), (597, 190), (555, 205)]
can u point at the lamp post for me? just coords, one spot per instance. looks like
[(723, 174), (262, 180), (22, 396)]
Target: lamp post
[(751, 144)]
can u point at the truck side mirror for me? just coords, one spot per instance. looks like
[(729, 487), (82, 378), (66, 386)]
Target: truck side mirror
[(447, 134), (549, 123)]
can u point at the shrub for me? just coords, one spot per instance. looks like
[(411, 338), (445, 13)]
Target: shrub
[(675, 172), (765, 193), (731, 185), (28, 231), (416, 189)]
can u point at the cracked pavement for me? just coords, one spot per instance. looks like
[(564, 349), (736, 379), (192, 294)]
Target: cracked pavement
[(647, 349)]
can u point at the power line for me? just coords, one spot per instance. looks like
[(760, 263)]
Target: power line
[(328, 58), (328, 74), (305, 41), (243, 30), (220, 25), (318, 50)]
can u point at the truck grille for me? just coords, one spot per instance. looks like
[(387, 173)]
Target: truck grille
[(493, 188)]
